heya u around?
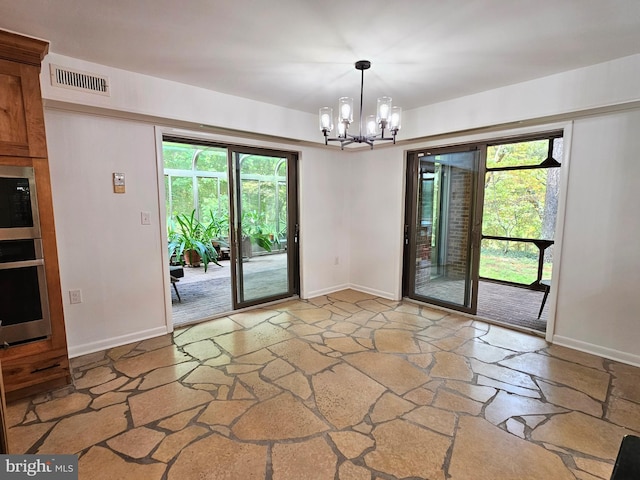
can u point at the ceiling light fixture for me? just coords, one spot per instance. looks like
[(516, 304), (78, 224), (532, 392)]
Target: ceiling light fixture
[(386, 121)]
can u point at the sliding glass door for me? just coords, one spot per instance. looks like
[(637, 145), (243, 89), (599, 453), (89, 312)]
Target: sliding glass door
[(442, 228), (265, 229)]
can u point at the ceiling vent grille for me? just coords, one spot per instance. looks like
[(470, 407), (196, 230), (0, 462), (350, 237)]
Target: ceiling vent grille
[(77, 80)]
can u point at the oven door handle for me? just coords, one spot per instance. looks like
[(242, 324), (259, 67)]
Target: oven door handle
[(25, 263)]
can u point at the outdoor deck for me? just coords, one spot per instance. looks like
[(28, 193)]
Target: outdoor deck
[(208, 294)]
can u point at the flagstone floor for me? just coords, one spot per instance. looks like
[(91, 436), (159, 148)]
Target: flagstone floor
[(343, 387)]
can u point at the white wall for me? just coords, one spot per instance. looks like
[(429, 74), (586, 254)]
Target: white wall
[(598, 304), (376, 197), (103, 249)]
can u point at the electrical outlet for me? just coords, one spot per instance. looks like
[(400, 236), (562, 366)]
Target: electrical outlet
[(75, 296)]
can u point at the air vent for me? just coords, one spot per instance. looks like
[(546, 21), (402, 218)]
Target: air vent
[(77, 80)]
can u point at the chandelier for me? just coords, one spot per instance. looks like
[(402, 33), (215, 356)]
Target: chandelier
[(385, 122)]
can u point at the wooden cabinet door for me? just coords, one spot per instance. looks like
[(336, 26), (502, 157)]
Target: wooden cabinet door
[(22, 131)]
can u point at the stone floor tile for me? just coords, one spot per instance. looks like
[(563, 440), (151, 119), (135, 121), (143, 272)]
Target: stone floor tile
[(373, 306), (507, 387), (344, 345), (206, 330), (205, 374), (333, 335), (580, 475), (415, 309), (594, 467), (93, 377), (335, 396), (279, 418), (435, 419), (179, 420), (136, 443), (175, 442), (506, 405), (221, 360), (109, 386), (395, 341), (241, 393), (570, 398), (309, 460), (61, 407), (305, 329), (235, 369), (165, 401), (74, 434), (276, 369), (420, 396), (400, 451), (313, 315), (482, 351), (109, 398), (132, 385), (155, 343), (284, 317), (260, 389), (366, 343), (422, 360), (261, 357), (233, 460), (625, 383), (78, 363), (345, 327), (296, 383), (15, 412), (253, 317), (164, 375), (350, 471), (397, 374), (350, 296), (456, 403), (102, 464), (449, 343), (533, 421), (364, 428), (390, 406), (515, 427), (222, 391), (594, 383), (351, 444), (498, 453), (625, 413), (451, 366), (319, 301), (575, 356), (202, 350), (412, 320), (163, 357), (436, 332), (118, 352), (502, 374), (253, 339), (21, 439), (303, 356), (577, 431), (476, 392), (512, 340), (224, 412)]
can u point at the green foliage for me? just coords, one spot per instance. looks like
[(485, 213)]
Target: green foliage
[(253, 227), (517, 267), (191, 234)]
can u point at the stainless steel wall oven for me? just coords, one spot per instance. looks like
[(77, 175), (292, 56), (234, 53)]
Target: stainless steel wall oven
[(24, 307)]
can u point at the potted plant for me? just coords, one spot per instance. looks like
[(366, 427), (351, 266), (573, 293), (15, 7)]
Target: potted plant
[(191, 242), (253, 232), (218, 230)]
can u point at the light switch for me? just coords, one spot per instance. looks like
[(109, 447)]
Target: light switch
[(118, 182), (145, 218)]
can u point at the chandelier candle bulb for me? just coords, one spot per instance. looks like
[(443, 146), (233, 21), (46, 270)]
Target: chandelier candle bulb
[(387, 118)]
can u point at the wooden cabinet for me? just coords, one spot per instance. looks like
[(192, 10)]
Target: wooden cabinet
[(44, 364)]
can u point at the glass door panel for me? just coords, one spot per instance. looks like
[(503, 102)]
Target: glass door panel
[(440, 235), (265, 228)]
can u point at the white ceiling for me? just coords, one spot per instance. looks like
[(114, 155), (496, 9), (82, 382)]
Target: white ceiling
[(300, 53)]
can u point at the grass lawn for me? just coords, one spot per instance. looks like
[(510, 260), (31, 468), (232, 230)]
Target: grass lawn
[(511, 267)]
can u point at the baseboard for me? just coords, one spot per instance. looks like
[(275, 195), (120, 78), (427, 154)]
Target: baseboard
[(326, 291), (79, 350), (373, 291), (609, 353)]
